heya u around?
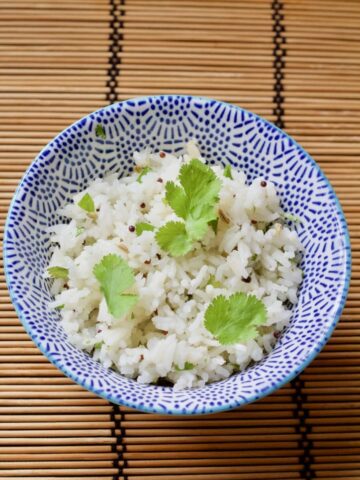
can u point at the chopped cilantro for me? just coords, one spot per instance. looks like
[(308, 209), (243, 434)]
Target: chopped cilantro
[(227, 172), (143, 172), (98, 345), (215, 283), (58, 272), (214, 225), (235, 319), (60, 307), (194, 201), (265, 227), (90, 241), (87, 203), (79, 231), (291, 218), (143, 227), (100, 132), (187, 366), (115, 277)]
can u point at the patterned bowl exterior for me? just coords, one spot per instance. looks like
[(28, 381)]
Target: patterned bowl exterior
[(228, 135)]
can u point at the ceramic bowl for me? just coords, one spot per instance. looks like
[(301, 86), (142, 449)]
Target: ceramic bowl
[(226, 134)]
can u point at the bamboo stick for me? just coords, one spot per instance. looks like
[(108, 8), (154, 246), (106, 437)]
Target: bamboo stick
[(200, 424), (207, 438), (213, 446), (253, 412), (61, 471), (59, 464), (62, 457), (36, 427), (60, 450), (89, 438), (42, 395), (203, 470), (95, 417), (229, 476), (148, 464), (100, 477), (45, 408), (42, 402), (219, 454), (48, 434), (39, 388)]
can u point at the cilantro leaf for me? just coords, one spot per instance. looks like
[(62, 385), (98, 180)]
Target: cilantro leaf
[(227, 172), (143, 227), (115, 277), (235, 319), (58, 272), (100, 132), (173, 238), (187, 366), (60, 307), (194, 201), (201, 187), (143, 172), (177, 199), (87, 203), (98, 345)]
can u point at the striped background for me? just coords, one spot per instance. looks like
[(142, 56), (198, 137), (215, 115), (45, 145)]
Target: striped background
[(295, 62)]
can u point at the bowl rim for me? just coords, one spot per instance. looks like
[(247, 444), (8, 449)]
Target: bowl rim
[(316, 347)]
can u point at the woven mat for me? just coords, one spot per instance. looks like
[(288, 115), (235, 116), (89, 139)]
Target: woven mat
[(297, 63)]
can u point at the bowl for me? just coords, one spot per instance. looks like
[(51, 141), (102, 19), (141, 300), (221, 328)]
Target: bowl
[(226, 134)]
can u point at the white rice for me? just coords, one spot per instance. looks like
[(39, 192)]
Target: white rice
[(166, 327)]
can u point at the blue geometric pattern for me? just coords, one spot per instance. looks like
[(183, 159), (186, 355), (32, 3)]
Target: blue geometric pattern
[(228, 135)]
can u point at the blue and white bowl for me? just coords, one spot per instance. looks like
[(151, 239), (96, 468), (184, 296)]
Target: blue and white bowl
[(228, 135)]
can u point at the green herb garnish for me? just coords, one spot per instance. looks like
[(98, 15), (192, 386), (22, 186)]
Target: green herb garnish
[(214, 225), (87, 203), (79, 231), (115, 277), (143, 172), (90, 241), (60, 307), (58, 272), (215, 283), (227, 172), (100, 132), (187, 366), (235, 319), (291, 217), (98, 345), (143, 227), (194, 202), (174, 239)]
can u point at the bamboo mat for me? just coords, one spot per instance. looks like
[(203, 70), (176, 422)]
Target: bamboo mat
[(297, 63)]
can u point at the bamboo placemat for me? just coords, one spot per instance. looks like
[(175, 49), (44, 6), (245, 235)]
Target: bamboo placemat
[(297, 63)]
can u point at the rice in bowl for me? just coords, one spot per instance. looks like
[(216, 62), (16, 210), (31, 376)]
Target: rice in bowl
[(163, 335)]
